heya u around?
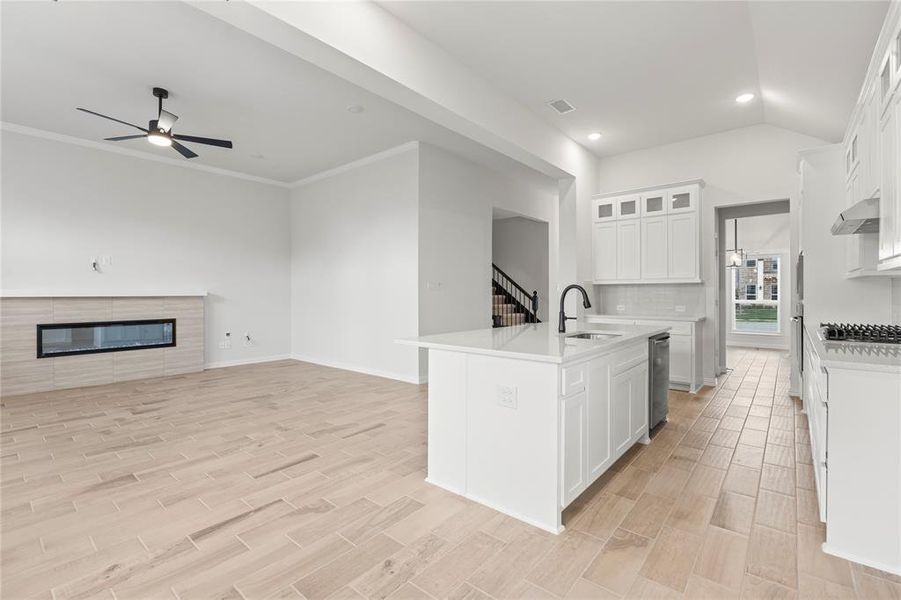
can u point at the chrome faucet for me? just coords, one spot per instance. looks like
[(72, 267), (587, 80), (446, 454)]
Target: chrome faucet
[(561, 327)]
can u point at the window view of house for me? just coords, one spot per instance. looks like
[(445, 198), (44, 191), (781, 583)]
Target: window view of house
[(755, 296)]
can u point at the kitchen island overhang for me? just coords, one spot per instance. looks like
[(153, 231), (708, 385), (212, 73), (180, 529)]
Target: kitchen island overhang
[(523, 419)]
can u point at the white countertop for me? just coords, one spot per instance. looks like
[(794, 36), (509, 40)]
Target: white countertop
[(861, 356), (45, 293), (638, 317), (537, 342)]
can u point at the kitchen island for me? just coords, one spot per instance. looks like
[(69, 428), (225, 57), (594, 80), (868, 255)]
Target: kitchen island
[(523, 419)]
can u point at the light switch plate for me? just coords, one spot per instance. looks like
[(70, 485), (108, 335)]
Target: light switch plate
[(620, 308), (680, 308), (506, 396)]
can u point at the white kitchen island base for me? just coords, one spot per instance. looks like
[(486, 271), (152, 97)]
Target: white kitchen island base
[(525, 430)]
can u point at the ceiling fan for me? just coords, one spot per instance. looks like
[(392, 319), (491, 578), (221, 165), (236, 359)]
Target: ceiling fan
[(159, 130)]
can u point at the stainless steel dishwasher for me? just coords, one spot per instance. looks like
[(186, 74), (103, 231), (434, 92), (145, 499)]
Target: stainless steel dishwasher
[(658, 379)]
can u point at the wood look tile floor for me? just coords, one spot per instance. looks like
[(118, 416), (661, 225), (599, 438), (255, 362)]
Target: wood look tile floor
[(290, 480)]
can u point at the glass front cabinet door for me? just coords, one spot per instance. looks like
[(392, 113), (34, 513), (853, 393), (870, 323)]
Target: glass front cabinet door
[(653, 204), (603, 209), (682, 199)]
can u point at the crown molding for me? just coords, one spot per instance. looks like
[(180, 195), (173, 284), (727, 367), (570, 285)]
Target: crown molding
[(355, 164), (68, 139)]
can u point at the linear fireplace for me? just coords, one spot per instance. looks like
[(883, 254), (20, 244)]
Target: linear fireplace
[(67, 339)]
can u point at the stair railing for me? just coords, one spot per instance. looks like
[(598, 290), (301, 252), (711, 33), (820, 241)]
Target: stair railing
[(515, 294)]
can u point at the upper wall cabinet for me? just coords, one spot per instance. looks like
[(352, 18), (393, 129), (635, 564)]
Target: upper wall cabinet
[(652, 236), (872, 150)]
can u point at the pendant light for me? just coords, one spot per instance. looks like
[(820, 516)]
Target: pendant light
[(735, 257)]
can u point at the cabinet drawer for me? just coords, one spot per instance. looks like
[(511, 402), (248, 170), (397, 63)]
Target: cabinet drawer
[(573, 379), (629, 357)]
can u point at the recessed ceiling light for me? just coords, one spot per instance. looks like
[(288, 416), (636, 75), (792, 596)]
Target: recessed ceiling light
[(355, 109), (594, 136), (744, 98)]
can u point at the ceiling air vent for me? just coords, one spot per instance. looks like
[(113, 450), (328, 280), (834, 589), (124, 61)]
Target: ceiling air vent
[(561, 106)]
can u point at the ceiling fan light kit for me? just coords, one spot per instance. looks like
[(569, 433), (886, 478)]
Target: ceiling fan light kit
[(159, 130)]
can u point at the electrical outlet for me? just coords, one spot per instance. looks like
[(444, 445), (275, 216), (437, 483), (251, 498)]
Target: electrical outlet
[(227, 344), (680, 308), (506, 396), (620, 308)]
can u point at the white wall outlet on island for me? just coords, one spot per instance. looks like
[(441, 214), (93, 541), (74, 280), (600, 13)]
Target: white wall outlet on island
[(620, 308), (506, 396), (680, 308)]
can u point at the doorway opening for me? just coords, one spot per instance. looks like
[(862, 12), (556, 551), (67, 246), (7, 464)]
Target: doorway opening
[(754, 291), (520, 260)]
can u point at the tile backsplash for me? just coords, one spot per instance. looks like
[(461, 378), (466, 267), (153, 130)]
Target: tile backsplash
[(896, 301), (662, 300)]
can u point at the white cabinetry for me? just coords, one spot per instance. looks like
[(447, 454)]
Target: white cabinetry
[(654, 247), (575, 424), (682, 244), (628, 250), (685, 370), (872, 156), (603, 418), (603, 246), (854, 420), (656, 236)]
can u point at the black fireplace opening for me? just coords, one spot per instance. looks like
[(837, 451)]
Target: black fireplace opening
[(68, 339)]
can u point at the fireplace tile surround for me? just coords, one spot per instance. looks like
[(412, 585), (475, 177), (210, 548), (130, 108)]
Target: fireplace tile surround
[(21, 372)]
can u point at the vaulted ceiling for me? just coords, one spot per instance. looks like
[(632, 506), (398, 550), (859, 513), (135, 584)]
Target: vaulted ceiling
[(650, 73)]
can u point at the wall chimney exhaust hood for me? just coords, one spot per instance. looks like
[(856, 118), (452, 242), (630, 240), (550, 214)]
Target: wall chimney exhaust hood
[(862, 217)]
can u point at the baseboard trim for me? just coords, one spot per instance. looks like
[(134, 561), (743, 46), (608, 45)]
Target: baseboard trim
[(414, 379), (754, 345), (245, 361), (893, 569)]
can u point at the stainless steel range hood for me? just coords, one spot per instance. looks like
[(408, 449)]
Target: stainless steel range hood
[(862, 217)]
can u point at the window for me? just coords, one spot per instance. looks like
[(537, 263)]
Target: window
[(755, 296)]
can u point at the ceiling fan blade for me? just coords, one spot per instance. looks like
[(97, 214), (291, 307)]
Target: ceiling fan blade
[(91, 112), (202, 140), (183, 151), (166, 120), (124, 137)]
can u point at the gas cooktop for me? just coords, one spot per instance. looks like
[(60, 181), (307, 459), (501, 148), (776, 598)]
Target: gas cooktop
[(855, 332)]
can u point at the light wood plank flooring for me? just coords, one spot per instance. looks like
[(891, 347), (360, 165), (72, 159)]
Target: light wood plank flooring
[(290, 480)]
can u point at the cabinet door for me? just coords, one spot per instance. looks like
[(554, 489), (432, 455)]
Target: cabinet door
[(603, 209), (628, 249), (680, 358), (895, 163), (628, 207), (682, 242), (574, 447), (653, 204), (599, 451), (888, 217), (620, 406), (638, 400), (603, 241), (682, 199), (653, 248)]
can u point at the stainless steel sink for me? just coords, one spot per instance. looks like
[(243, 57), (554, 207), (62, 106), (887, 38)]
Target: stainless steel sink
[(593, 335)]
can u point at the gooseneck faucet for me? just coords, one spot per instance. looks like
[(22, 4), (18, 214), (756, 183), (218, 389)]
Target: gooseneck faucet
[(561, 327)]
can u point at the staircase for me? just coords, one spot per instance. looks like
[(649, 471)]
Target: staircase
[(511, 304)]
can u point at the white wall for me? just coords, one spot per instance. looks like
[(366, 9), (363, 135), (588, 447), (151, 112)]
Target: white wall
[(765, 234), (354, 267), (457, 199), (519, 246), (166, 228), (751, 164)]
